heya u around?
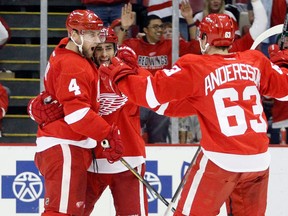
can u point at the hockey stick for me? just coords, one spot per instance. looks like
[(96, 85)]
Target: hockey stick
[(182, 183), (281, 28), (266, 34), (105, 144), (284, 31)]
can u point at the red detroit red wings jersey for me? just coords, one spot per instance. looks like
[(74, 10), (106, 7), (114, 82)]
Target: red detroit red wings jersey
[(126, 115), (158, 56), (224, 90), (72, 80)]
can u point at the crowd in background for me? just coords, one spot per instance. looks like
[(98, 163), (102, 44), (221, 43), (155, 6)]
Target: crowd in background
[(155, 128), (136, 31)]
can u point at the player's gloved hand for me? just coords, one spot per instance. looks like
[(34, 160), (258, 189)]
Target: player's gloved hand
[(128, 56), (111, 74), (44, 109), (277, 56), (112, 145)]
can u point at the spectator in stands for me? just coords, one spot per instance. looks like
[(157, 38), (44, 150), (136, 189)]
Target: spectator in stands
[(167, 30), (212, 6), (278, 12), (164, 10), (3, 105), (108, 10), (189, 130), (5, 35), (63, 152), (154, 53), (5, 32)]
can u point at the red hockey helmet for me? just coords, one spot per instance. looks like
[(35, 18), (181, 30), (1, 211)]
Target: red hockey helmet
[(111, 37), (83, 20), (219, 29)]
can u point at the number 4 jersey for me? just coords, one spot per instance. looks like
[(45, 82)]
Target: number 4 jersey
[(72, 80), (224, 91)]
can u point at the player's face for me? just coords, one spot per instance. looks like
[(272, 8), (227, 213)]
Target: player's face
[(215, 5), (90, 40), (103, 53), (154, 31)]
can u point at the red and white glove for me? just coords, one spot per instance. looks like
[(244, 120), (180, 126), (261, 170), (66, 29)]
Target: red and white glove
[(128, 56), (277, 56), (112, 145), (44, 109), (111, 74)]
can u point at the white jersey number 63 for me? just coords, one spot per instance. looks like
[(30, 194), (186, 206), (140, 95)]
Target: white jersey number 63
[(223, 113)]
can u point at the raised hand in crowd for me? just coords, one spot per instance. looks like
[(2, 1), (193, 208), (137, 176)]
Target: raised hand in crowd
[(128, 18), (187, 11)]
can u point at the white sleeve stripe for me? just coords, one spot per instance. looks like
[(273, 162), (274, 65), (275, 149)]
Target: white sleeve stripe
[(76, 116), (161, 110), (150, 96), (283, 98)]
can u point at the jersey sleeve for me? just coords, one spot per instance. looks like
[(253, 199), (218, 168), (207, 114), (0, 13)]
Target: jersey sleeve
[(180, 108), (76, 91), (274, 80), (152, 91)]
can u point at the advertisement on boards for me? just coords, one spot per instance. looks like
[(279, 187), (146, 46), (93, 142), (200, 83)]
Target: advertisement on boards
[(22, 189)]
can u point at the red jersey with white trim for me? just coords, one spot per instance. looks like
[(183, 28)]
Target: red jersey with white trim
[(72, 80), (3, 101), (225, 92), (158, 56), (126, 115)]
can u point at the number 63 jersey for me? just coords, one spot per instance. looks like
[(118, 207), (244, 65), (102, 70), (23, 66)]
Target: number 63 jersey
[(225, 92)]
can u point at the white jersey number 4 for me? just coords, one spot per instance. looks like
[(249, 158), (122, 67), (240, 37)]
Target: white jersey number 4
[(74, 87), (223, 113)]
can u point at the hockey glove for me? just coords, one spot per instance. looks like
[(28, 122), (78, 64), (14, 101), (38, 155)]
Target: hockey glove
[(128, 56), (112, 145), (44, 109), (277, 56), (110, 75)]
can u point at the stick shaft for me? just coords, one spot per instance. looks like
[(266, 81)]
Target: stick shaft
[(141, 179), (182, 183)]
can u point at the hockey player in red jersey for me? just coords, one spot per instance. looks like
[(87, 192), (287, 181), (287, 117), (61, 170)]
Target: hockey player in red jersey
[(224, 89), (119, 110), (64, 146), (115, 109)]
